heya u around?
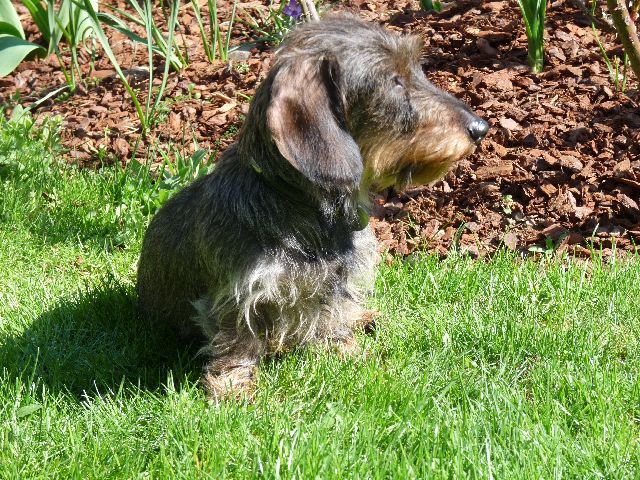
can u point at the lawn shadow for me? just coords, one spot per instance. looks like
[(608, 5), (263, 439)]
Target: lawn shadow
[(94, 342)]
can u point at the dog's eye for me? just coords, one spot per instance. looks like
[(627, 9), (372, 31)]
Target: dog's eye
[(397, 81)]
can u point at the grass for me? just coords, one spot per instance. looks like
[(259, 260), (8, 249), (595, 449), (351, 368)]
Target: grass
[(505, 369)]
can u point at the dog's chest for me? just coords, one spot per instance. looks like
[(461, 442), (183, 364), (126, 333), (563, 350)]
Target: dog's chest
[(292, 302)]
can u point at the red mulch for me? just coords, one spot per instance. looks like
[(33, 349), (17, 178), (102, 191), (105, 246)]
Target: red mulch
[(559, 169)]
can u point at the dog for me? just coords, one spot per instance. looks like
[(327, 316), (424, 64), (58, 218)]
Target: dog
[(272, 250)]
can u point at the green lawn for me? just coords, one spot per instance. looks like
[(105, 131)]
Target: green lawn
[(506, 369)]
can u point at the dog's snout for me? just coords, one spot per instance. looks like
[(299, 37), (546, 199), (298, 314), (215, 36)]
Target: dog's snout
[(477, 129)]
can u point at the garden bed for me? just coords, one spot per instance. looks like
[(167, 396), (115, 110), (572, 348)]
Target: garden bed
[(559, 170)]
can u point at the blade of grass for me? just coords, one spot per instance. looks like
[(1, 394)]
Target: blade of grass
[(613, 70), (118, 24), (55, 32), (173, 55)]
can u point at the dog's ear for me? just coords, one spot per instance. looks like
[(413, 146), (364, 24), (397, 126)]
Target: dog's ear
[(307, 123)]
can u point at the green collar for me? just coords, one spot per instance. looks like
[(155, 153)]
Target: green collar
[(363, 218), (255, 166)]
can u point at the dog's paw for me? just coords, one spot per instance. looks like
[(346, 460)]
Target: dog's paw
[(368, 320), (349, 349), (238, 383)]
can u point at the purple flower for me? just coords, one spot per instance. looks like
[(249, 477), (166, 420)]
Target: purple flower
[(293, 10)]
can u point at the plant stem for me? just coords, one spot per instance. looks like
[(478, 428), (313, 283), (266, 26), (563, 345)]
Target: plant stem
[(627, 32), (309, 10), (229, 28), (533, 14), (173, 20), (203, 35), (99, 32), (535, 55), (313, 13)]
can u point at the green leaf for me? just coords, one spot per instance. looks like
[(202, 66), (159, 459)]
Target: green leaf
[(17, 113), (39, 14), (55, 31), (9, 29), (28, 410), (8, 15), (83, 20), (13, 50), (197, 157)]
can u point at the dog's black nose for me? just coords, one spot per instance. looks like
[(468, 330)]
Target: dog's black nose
[(477, 129)]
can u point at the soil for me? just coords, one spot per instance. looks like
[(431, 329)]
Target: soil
[(559, 170)]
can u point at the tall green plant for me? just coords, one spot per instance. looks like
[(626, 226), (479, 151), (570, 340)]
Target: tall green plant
[(145, 115), (13, 46), (44, 18), (154, 40), (534, 12), (212, 41), (74, 25), (52, 23), (69, 22)]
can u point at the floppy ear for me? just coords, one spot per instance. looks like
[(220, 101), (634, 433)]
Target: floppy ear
[(307, 124)]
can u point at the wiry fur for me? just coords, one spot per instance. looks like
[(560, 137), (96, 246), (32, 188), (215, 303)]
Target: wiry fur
[(269, 251), (289, 303)]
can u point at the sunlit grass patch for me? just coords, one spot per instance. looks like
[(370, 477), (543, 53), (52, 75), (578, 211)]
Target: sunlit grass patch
[(509, 368)]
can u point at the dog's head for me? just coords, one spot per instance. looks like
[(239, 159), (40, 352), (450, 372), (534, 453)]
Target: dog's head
[(349, 107)]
